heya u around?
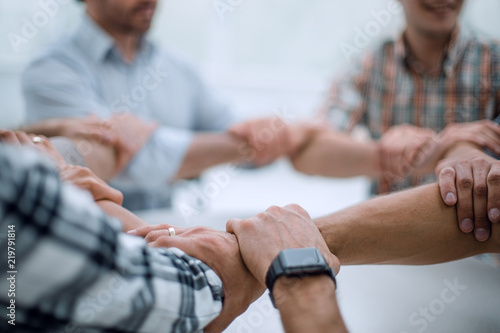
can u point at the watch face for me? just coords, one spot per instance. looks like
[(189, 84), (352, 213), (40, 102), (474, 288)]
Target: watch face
[(301, 259)]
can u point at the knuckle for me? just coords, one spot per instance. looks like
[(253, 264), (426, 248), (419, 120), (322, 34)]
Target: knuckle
[(465, 183), (464, 164), (274, 210), (447, 172), (494, 179), (479, 162), (480, 189), (298, 209)]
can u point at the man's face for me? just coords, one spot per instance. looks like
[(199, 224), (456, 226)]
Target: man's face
[(435, 18), (125, 15)]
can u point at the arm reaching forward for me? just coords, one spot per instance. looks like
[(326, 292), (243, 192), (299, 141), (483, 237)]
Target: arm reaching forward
[(413, 227)]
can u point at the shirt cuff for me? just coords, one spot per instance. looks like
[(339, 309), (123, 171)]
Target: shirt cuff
[(160, 159)]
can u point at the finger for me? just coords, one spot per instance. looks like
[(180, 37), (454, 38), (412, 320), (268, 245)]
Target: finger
[(143, 231), (154, 235), (239, 131), (447, 186), (494, 193), (184, 244), (465, 208), (9, 137), (25, 139), (490, 139), (232, 224), (480, 169)]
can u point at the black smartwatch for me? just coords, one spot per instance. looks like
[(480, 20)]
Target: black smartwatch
[(297, 263)]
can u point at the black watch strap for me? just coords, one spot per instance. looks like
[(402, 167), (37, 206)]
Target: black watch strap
[(277, 269)]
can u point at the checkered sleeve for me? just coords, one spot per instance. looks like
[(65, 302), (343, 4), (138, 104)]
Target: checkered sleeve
[(75, 271)]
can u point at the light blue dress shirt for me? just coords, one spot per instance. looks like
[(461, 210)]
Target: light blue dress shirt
[(86, 74)]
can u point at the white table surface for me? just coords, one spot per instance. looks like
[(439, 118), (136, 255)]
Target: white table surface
[(385, 299)]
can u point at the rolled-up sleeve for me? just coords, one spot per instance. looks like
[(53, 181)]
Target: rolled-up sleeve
[(79, 272)]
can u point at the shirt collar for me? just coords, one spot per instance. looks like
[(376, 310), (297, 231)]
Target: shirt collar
[(454, 52), (98, 44), (94, 40)]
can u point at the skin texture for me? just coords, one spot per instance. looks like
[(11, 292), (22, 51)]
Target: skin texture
[(261, 238), (412, 227)]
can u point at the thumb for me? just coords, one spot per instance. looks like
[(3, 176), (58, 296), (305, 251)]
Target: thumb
[(239, 130), (231, 225)]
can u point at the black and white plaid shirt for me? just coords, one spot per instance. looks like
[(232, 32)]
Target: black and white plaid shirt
[(75, 271)]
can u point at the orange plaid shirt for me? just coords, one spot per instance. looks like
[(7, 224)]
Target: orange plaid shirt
[(388, 89)]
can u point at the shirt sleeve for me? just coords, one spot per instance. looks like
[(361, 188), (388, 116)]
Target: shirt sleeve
[(69, 94), (345, 105), (75, 266)]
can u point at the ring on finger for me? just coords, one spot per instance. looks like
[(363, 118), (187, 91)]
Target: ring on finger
[(171, 231), (37, 139)]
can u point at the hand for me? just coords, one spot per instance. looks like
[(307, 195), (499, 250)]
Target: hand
[(219, 250), (132, 134), (24, 139), (89, 128), (471, 179), (483, 133), (265, 235), (269, 138), (85, 179), (403, 149), (303, 133)]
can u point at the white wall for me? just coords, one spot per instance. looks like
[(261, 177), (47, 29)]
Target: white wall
[(266, 54)]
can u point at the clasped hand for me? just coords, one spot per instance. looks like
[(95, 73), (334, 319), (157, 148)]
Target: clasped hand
[(242, 255)]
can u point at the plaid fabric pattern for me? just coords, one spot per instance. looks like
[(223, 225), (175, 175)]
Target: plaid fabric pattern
[(388, 89), (76, 270)]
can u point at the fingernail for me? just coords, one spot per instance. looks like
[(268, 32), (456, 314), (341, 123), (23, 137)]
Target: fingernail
[(467, 225), (482, 234), (132, 232), (494, 214), (450, 198)]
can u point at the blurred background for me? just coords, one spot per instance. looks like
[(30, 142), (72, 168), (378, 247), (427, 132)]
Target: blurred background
[(263, 54)]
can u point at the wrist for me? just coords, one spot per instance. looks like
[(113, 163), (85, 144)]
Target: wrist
[(312, 298), (290, 289), (460, 148)]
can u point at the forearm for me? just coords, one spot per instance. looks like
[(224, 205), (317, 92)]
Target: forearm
[(129, 220), (412, 227), (99, 158), (308, 305), (210, 149), (334, 154)]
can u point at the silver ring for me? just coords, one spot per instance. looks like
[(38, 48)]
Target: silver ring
[(171, 231), (37, 139)]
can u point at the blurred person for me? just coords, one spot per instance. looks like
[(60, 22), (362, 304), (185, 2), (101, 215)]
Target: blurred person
[(108, 65), (436, 74)]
